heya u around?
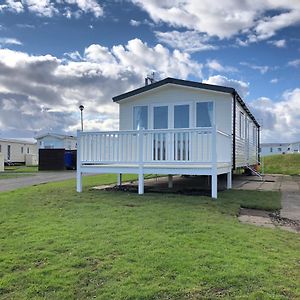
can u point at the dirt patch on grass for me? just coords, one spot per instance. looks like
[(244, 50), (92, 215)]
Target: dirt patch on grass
[(266, 219)]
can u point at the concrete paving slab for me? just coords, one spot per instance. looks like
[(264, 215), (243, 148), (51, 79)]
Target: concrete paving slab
[(268, 186), (290, 205)]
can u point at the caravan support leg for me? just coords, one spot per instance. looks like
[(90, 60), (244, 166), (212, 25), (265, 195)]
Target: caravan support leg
[(79, 182), (170, 181), (229, 180), (214, 185), (119, 179), (141, 183)]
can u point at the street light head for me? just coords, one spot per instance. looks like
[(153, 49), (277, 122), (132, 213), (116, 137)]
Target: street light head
[(81, 107)]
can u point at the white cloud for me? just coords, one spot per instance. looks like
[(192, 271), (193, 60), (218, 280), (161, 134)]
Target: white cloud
[(43, 8), (278, 43), (274, 80), (13, 6), (43, 92), (280, 119), (242, 87), (294, 63), (268, 26), (227, 19), (140, 58), (135, 23), (189, 41), (75, 56), (215, 65), (9, 41), (49, 8), (87, 6), (261, 69)]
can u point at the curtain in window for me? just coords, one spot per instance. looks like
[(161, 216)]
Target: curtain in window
[(204, 114), (140, 117)]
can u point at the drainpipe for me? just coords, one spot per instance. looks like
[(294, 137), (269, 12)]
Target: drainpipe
[(234, 130), (258, 143)]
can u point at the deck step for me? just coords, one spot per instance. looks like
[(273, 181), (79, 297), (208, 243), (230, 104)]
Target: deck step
[(256, 173)]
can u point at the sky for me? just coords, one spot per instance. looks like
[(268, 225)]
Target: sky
[(58, 54)]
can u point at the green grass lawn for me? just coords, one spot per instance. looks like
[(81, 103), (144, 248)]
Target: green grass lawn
[(8, 175), (58, 244), (21, 169), (18, 171), (288, 164)]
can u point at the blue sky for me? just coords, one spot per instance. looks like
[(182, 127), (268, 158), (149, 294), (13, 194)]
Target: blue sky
[(56, 54)]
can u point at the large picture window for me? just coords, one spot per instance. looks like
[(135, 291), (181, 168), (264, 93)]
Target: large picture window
[(140, 117), (204, 114)]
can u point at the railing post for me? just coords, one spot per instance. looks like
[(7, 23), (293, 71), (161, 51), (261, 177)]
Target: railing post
[(78, 172), (141, 171), (141, 149), (214, 174)]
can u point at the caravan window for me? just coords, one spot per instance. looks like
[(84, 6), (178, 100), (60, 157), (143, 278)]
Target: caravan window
[(204, 114), (140, 117), (182, 116), (242, 125), (160, 117), (254, 135)]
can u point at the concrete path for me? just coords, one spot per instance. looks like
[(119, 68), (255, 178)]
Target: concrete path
[(290, 201), (289, 186), (39, 178)]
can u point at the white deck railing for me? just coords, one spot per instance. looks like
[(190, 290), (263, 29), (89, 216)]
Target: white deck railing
[(201, 145)]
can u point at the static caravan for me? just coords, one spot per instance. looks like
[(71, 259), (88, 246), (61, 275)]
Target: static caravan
[(15, 151), (268, 149), (56, 141), (294, 147), (174, 127)]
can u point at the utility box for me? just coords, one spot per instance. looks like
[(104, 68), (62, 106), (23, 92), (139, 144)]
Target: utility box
[(1, 162), (51, 159), (57, 159), (31, 160)]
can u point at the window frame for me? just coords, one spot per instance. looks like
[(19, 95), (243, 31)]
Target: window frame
[(189, 104), (213, 113), (242, 125), (133, 115), (168, 114)]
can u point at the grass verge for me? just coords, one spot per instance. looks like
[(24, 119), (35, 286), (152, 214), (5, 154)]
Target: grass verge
[(21, 169), (287, 164), (57, 244)]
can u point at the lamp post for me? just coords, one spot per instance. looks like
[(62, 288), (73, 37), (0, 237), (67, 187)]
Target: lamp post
[(81, 107)]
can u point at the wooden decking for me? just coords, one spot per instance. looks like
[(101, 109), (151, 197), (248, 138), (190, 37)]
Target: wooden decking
[(200, 151), (157, 168)]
